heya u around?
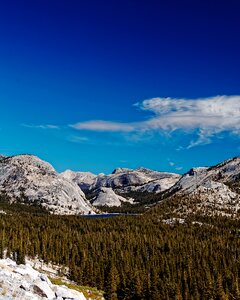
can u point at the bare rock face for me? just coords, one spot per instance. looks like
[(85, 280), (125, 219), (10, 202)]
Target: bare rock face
[(83, 179), (107, 197), (127, 180), (23, 282), (213, 190), (124, 180), (106, 190), (28, 178), (227, 172)]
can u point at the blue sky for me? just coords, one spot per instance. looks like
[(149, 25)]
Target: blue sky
[(94, 85)]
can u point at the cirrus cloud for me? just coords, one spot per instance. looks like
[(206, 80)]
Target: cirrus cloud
[(207, 116), (99, 125), (43, 126)]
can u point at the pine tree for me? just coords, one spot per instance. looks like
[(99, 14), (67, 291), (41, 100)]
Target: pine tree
[(220, 294), (112, 283)]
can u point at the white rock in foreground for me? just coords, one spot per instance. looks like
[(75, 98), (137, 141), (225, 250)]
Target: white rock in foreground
[(22, 282)]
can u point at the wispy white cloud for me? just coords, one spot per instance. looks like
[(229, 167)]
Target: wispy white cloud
[(203, 138), (206, 116), (179, 168), (99, 125), (173, 164), (46, 126), (78, 139)]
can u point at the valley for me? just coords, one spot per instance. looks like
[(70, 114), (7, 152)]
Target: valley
[(133, 234)]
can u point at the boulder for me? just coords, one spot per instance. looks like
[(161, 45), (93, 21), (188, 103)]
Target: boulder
[(42, 289), (63, 292)]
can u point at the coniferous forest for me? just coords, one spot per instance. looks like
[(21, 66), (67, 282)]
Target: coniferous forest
[(134, 257)]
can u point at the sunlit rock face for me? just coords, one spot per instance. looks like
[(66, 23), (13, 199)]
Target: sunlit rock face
[(23, 282), (32, 180)]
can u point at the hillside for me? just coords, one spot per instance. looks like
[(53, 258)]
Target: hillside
[(206, 190), (26, 178), (123, 188)]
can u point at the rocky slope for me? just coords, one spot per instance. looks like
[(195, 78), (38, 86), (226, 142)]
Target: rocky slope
[(106, 190), (27, 177), (214, 190), (84, 180), (226, 172), (107, 197), (23, 282), (141, 179)]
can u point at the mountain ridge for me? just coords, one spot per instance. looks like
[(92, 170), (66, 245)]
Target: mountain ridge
[(35, 181)]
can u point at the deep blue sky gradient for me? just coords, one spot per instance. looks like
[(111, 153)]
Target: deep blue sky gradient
[(63, 62)]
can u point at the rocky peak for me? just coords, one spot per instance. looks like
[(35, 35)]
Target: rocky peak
[(28, 178), (121, 170), (83, 179)]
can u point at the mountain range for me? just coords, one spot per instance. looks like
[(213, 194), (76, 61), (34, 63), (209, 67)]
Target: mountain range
[(28, 179)]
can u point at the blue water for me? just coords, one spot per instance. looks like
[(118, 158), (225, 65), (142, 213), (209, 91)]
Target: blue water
[(106, 215)]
